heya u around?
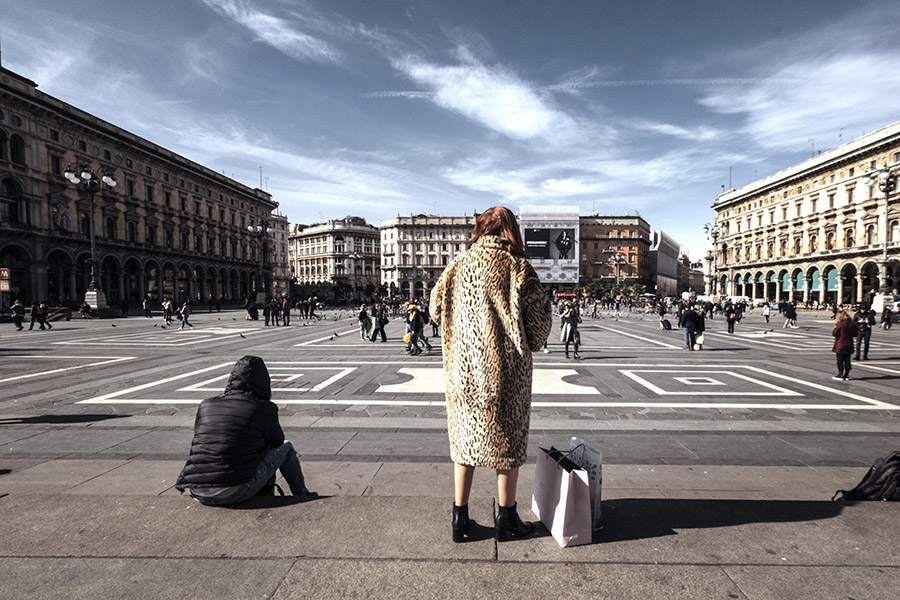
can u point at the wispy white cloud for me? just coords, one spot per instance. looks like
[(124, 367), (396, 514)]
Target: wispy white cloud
[(278, 32), (832, 92), (491, 96), (695, 134)]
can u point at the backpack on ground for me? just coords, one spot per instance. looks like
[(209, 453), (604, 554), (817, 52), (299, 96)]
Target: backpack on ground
[(882, 482), (667, 324)]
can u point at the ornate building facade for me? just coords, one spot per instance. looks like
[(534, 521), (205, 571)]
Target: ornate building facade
[(169, 226), (340, 257), (415, 250), (615, 251), (815, 231)]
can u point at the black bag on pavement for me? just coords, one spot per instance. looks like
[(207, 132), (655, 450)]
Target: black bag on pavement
[(667, 324), (882, 482)]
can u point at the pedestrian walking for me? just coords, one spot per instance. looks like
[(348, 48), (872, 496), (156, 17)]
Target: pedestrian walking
[(45, 314), (766, 311), (18, 314), (379, 320), (148, 312), (886, 317), (365, 323), (730, 317), (416, 328), (790, 315), (844, 333), (688, 322), (700, 327), (35, 316), (267, 311), (238, 443), (185, 313), (285, 312), (494, 314), (568, 326), (864, 320)]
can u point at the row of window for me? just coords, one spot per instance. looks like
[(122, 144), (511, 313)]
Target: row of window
[(851, 172), (848, 241), (225, 247), (800, 209), (150, 196)]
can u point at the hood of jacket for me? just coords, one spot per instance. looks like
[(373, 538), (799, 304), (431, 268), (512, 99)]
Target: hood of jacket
[(250, 375)]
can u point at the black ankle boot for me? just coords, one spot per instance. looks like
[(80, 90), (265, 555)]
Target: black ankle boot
[(461, 522), (510, 526)]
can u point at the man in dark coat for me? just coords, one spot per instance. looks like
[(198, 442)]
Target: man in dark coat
[(238, 442), (379, 320), (688, 322), (865, 321)]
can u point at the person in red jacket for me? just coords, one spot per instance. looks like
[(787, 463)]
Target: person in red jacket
[(844, 333), (238, 442)]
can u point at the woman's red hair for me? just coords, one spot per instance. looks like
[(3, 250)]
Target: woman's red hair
[(500, 221)]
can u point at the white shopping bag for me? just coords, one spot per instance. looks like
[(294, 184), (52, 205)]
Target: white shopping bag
[(562, 499), (591, 460)]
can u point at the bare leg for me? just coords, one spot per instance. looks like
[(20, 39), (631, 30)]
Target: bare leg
[(462, 483), (507, 480)]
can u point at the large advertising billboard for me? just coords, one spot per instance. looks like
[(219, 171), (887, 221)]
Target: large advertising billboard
[(551, 238), (549, 243)]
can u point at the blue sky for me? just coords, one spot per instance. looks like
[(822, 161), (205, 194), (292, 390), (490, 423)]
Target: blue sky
[(384, 107)]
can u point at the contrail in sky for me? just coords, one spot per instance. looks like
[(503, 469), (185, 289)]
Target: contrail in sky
[(562, 87)]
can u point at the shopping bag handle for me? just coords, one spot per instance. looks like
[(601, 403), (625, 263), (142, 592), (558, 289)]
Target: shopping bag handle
[(561, 458)]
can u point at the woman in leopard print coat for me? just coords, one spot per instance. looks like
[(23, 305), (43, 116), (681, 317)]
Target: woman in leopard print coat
[(493, 314)]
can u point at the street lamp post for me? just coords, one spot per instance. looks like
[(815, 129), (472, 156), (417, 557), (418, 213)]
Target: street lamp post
[(354, 256), (260, 231), (712, 232), (617, 258), (886, 180), (84, 179)]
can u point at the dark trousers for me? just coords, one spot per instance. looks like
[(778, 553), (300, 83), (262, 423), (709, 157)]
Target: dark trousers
[(843, 365), (863, 337), (375, 333)]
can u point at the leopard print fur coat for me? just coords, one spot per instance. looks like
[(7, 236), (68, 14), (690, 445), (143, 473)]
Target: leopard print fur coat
[(493, 315)]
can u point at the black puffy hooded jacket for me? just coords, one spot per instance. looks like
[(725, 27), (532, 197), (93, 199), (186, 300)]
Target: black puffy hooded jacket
[(234, 431)]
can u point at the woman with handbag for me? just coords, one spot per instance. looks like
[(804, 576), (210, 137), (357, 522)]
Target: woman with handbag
[(490, 305), (568, 325)]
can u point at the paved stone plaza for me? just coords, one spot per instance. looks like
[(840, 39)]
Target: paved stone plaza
[(720, 464)]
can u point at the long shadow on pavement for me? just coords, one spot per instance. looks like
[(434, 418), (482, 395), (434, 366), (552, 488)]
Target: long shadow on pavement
[(639, 518)]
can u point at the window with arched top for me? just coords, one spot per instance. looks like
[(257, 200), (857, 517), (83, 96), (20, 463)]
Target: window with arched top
[(131, 232), (895, 231), (870, 235), (849, 238), (813, 243), (110, 228), (4, 146), (829, 240)]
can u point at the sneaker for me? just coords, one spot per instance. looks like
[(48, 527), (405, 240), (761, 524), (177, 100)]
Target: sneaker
[(847, 378), (837, 378), (546, 351)]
